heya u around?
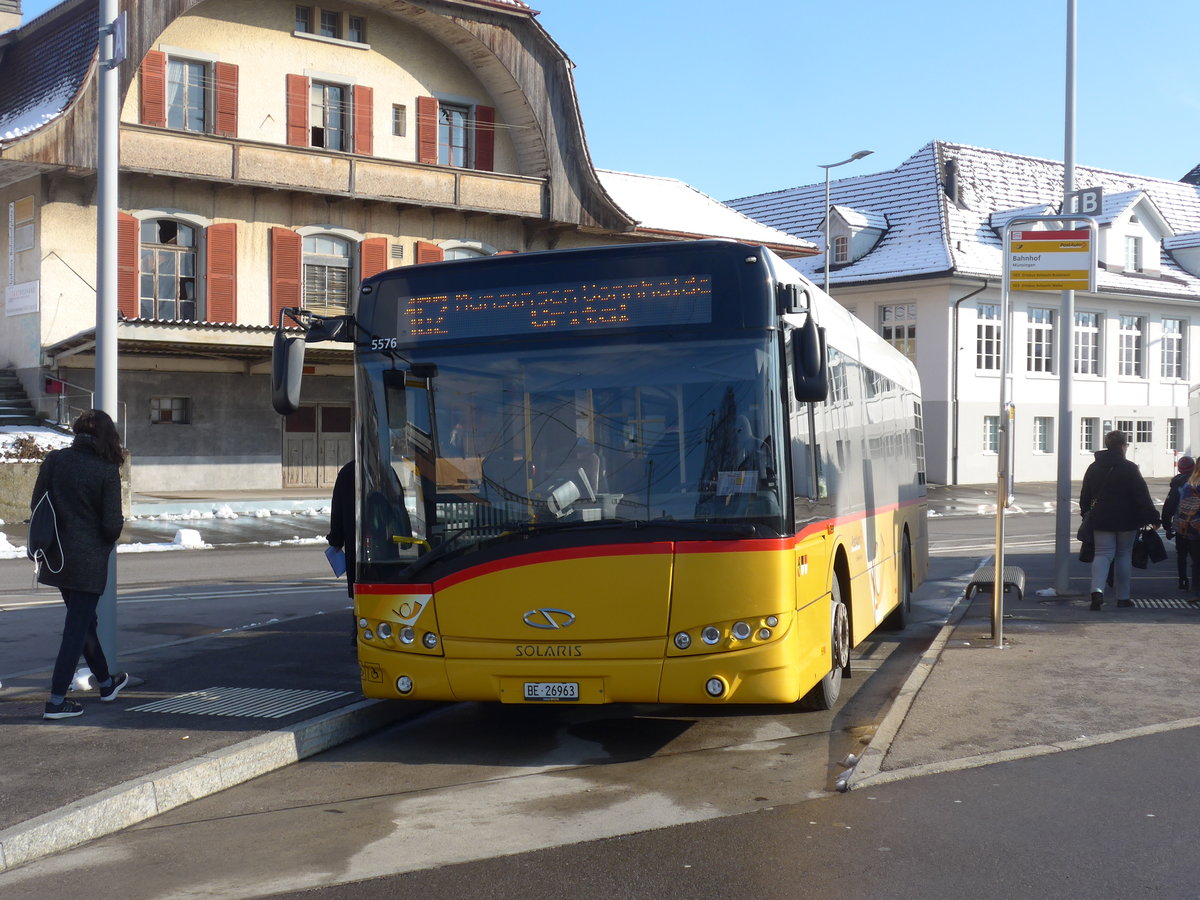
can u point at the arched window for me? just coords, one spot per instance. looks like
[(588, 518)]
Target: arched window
[(326, 274), (167, 270)]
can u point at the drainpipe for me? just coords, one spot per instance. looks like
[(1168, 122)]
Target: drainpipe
[(954, 384)]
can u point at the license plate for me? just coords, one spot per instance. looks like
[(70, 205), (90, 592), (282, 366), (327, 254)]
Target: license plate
[(551, 690)]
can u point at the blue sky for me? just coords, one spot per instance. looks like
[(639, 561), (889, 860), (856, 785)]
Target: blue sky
[(741, 98)]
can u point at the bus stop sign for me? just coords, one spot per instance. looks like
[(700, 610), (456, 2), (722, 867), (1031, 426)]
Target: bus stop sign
[(1051, 260)]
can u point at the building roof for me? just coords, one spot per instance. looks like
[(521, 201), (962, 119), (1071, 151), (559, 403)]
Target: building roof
[(944, 205), (42, 71), (667, 206)]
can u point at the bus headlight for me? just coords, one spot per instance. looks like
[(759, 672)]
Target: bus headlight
[(430, 640), (710, 635), (407, 635), (741, 630), (714, 687), (772, 621), (764, 634), (384, 630), (363, 623), (404, 684), (683, 640)]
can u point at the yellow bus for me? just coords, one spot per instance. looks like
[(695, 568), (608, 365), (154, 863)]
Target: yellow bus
[(666, 473)]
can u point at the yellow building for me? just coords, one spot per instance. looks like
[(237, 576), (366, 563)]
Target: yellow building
[(273, 154)]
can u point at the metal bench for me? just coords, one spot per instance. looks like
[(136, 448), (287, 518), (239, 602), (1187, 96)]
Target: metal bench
[(984, 579)]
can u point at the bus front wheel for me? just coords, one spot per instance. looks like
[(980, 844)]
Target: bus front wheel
[(825, 692)]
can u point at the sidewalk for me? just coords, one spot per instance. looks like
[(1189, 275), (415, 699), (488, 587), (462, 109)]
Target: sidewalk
[(231, 707), (1066, 677)]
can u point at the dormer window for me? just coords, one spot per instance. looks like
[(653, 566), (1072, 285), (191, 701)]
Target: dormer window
[(1133, 254), (841, 249)]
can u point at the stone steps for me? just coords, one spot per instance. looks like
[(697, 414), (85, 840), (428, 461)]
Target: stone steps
[(15, 408)]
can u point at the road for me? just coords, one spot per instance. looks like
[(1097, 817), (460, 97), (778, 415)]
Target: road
[(474, 781)]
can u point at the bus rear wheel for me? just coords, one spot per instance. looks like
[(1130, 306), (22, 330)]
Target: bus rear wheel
[(898, 618), (825, 692)]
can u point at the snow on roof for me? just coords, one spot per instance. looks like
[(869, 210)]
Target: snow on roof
[(670, 205), (861, 218), (930, 234)]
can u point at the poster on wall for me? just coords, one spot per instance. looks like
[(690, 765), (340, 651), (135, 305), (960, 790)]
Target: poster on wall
[(20, 298)]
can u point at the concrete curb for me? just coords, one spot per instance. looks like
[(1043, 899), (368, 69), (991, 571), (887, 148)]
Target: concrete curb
[(871, 761), (141, 798)]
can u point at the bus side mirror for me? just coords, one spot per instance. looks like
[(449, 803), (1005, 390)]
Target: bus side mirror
[(810, 368), (287, 368)]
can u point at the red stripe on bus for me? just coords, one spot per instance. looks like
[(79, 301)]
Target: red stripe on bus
[(548, 556)]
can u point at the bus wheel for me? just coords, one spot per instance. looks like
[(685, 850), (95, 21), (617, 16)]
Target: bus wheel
[(898, 617), (825, 692)]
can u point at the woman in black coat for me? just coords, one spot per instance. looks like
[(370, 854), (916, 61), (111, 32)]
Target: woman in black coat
[(84, 483), (1120, 504)]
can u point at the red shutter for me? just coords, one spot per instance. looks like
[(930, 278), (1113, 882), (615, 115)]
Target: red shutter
[(373, 257), (485, 138), (286, 270), (220, 277), (154, 89), (297, 111), (427, 112), (427, 252), (128, 233), (364, 138), (225, 78)]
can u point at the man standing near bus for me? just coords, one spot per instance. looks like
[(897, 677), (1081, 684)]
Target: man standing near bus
[(341, 532)]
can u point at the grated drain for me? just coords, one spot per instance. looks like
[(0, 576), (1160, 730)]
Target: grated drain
[(1162, 603), (257, 703)]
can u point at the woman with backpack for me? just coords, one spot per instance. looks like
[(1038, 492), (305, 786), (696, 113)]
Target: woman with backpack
[(1117, 503), (1185, 465), (1186, 523)]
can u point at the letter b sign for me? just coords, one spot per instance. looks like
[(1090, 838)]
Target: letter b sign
[(1088, 202)]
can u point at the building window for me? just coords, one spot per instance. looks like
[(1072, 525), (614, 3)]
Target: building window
[(331, 24), (304, 19), (1043, 434), (399, 119), (1133, 254), (356, 29), (991, 434), (841, 249), (898, 325), (1089, 431), (170, 411), (1172, 349), (1175, 435), (454, 135), (1131, 346), (1039, 341), (1125, 426), (326, 274), (329, 116), (1144, 434), (987, 337), (1087, 343), (167, 271), (187, 95)]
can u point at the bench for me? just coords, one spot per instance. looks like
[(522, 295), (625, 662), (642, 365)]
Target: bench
[(984, 579)]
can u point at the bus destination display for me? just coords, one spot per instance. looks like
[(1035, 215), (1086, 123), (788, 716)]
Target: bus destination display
[(558, 308)]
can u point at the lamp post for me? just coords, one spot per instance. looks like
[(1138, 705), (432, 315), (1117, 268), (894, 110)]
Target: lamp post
[(859, 155)]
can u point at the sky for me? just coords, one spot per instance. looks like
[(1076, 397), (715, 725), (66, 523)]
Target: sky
[(740, 98)]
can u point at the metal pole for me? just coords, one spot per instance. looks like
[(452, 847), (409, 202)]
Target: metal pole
[(826, 286), (108, 123), (1003, 432), (1066, 353)]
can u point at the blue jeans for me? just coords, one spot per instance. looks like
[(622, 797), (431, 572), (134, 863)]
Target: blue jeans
[(78, 637), (1113, 547)]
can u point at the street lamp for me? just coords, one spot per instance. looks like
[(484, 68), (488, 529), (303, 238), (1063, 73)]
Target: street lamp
[(859, 155)]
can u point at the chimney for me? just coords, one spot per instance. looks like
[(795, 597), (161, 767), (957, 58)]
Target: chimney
[(10, 14)]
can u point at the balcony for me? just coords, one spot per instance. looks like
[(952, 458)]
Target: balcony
[(258, 165)]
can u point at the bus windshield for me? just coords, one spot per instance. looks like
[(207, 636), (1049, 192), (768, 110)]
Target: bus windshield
[(485, 443)]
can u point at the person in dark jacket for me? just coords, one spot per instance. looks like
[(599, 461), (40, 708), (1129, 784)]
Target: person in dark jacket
[(341, 530), (1117, 501), (84, 483), (1185, 466)]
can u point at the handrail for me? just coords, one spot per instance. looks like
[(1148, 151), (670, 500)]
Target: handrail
[(66, 411)]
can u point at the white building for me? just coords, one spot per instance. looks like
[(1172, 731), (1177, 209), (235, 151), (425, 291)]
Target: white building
[(917, 252)]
